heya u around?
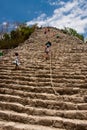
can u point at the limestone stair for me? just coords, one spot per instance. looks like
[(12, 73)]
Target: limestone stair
[(27, 96)]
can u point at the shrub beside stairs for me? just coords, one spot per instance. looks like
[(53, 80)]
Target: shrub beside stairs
[(45, 95)]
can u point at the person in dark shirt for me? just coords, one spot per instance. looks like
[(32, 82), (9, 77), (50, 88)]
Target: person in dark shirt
[(47, 50)]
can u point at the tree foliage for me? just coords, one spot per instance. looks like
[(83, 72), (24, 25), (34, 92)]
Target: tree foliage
[(6, 36), (15, 37), (73, 32)]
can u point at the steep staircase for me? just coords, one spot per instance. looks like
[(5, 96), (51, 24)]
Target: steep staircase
[(45, 94)]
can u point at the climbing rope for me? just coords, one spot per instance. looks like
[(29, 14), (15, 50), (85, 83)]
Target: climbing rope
[(52, 85)]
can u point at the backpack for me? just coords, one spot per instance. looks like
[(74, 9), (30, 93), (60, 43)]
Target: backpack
[(48, 44)]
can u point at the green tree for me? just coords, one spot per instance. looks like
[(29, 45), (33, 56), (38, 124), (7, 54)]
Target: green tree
[(6, 36), (15, 34), (73, 32), (16, 37)]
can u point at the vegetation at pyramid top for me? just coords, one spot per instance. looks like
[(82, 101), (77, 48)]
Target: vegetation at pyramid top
[(73, 32), (22, 33), (15, 37)]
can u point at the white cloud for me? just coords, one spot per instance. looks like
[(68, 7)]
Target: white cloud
[(40, 20), (56, 3), (70, 14), (41, 17), (4, 23)]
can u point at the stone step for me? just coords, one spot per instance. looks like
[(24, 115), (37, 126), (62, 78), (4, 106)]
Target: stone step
[(79, 85), (34, 81), (17, 72), (21, 82), (26, 88), (46, 83), (9, 125), (22, 70), (5, 68), (32, 87), (23, 78), (71, 114), (58, 75), (30, 66), (39, 65), (42, 78), (55, 79), (42, 95), (42, 64), (39, 103), (55, 122)]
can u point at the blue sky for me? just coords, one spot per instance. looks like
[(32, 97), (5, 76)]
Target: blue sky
[(56, 13)]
